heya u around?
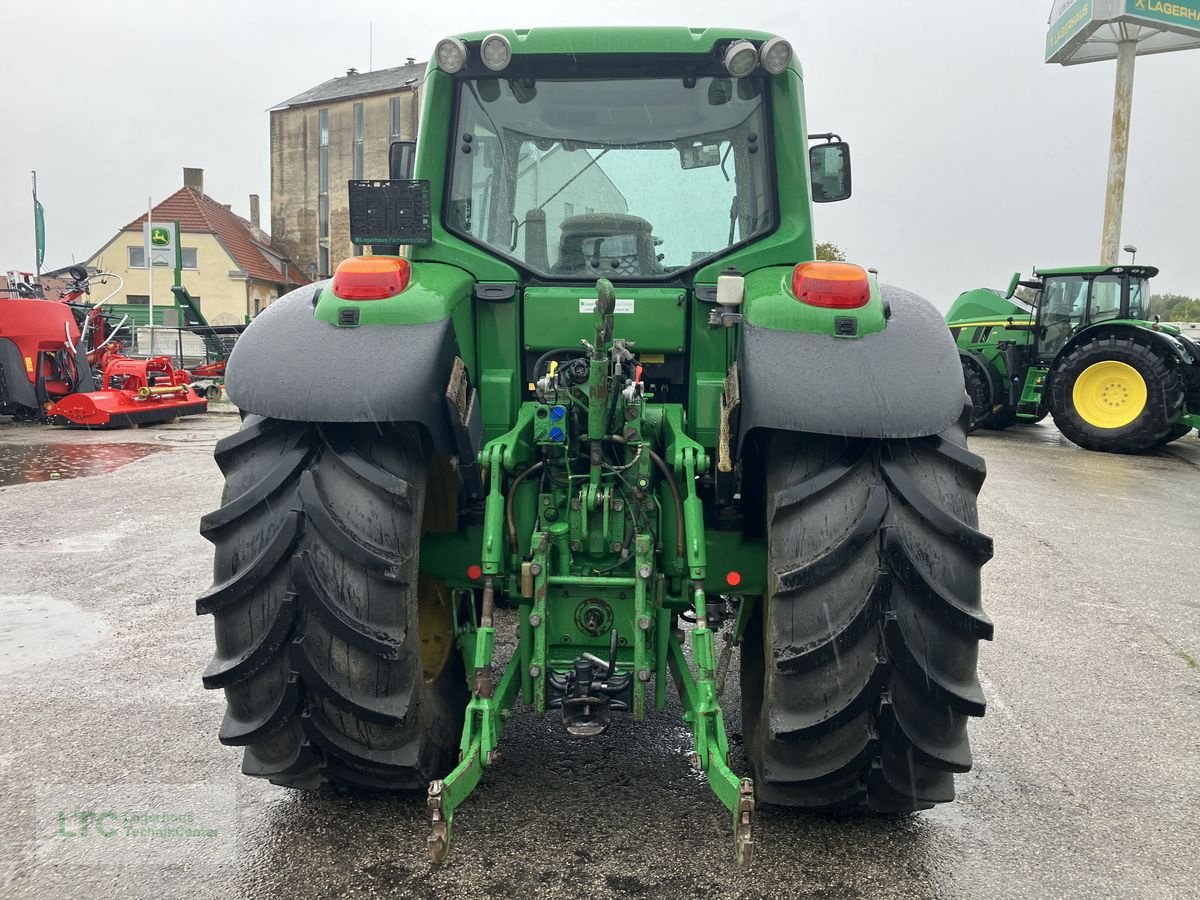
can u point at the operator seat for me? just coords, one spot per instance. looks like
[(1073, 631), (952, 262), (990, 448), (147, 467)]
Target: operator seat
[(596, 244)]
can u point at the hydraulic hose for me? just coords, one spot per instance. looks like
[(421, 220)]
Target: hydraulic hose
[(576, 352), (508, 503), (670, 479), (674, 488)]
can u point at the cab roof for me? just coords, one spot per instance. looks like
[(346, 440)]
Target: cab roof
[(625, 39), (1143, 271)]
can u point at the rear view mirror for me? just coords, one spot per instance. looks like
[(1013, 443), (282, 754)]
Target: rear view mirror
[(1013, 284), (829, 165), (699, 156), (401, 157)]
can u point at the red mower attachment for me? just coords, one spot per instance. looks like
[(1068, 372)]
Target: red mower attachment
[(133, 392)]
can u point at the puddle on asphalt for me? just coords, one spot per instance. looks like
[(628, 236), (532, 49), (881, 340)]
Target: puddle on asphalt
[(36, 629), (50, 462)]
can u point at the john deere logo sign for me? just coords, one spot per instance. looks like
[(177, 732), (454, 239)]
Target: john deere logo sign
[(161, 241)]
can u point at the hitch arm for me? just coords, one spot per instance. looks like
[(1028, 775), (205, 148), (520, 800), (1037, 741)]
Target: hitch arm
[(710, 753), (481, 736)]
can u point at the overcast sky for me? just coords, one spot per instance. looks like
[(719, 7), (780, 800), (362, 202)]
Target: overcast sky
[(972, 158)]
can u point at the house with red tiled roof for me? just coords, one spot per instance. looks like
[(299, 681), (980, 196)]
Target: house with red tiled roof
[(229, 264)]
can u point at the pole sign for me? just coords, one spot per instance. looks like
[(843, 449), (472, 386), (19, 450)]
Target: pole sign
[(39, 230), (160, 238), (1083, 31), (1184, 14), (1069, 20)]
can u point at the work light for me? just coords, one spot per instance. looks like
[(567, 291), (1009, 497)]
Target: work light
[(775, 55), (496, 52), (451, 55), (740, 59)]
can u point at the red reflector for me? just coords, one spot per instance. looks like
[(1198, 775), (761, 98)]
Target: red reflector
[(733, 579), (833, 285), (474, 572), (371, 277)]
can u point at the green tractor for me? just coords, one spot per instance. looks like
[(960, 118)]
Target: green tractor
[(608, 404), (1085, 347)]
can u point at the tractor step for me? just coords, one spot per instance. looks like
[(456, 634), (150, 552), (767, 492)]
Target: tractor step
[(1031, 394)]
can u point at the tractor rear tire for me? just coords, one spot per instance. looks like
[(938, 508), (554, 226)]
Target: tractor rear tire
[(1115, 394), (316, 600), (859, 667), (983, 412), (1177, 431)]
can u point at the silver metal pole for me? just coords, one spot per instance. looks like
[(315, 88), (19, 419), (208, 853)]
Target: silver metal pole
[(1118, 157), (150, 272), (37, 263)]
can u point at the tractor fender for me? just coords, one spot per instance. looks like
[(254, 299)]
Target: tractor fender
[(1192, 346), (988, 372), (15, 386), (902, 382), (1155, 338), (290, 365)]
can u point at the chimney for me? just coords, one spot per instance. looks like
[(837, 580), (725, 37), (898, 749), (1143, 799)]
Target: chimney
[(254, 226), (351, 71), (411, 61), (194, 179)]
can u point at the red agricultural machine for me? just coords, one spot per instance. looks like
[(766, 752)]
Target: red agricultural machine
[(60, 361)]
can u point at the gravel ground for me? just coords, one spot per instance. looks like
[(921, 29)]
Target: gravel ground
[(1085, 782)]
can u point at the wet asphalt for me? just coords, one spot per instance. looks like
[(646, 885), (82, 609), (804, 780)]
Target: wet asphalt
[(1087, 765)]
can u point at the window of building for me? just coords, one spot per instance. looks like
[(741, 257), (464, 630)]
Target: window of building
[(137, 257), (137, 299), (395, 118), (358, 141)]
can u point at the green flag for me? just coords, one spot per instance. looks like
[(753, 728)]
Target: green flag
[(39, 229)]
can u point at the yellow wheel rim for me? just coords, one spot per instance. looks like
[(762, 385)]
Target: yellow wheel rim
[(435, 625), (1109, 394)]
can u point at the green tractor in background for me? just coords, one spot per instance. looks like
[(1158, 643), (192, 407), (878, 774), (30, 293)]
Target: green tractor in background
[(1085, 348), (608, 395)]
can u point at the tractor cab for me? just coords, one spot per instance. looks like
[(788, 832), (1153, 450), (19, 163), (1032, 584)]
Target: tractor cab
[(1070, 300)]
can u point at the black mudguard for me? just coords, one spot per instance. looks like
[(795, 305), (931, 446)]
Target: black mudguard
[(290, 365), (15, 387), (905, 381), (1168, 343), (1192, 346), (989, 374)]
